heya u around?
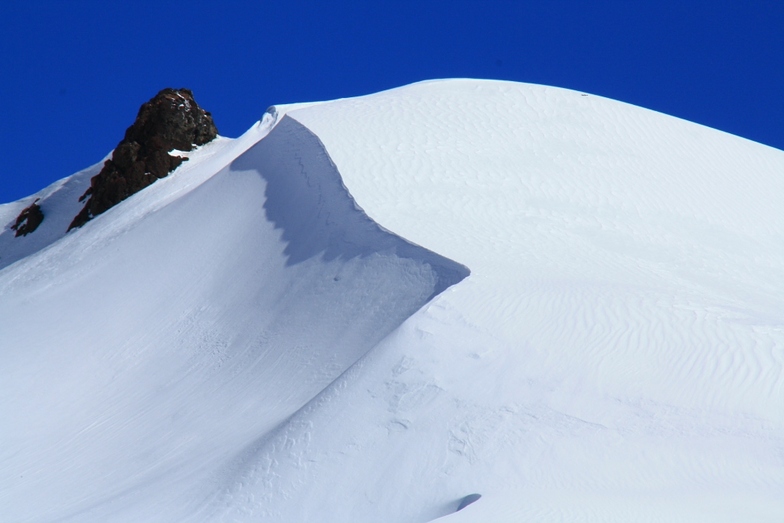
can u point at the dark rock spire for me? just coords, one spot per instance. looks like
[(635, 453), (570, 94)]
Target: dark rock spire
[(171, 120)]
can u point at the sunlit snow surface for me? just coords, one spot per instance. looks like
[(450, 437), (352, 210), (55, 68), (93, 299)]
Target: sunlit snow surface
[(256, 337)]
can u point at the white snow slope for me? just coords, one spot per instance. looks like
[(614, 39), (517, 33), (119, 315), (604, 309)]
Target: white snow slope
[(260, 336)]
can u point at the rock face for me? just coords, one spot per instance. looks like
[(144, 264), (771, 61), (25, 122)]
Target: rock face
[(28, 220), (171, 120)]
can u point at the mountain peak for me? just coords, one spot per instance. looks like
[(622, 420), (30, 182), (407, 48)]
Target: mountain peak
[(263, 335), (171, 120)]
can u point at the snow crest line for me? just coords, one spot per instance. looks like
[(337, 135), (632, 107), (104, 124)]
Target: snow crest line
[(307, 199)]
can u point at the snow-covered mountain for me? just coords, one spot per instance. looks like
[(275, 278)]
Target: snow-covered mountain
[(379, 309)]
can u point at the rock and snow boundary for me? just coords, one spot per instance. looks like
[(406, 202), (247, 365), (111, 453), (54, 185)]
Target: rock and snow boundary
[(243, 341)]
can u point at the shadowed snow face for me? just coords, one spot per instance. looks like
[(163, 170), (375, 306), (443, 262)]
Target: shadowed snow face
[(306, 198)]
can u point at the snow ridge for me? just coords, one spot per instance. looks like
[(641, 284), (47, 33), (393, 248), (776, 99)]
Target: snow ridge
[(166, 347)]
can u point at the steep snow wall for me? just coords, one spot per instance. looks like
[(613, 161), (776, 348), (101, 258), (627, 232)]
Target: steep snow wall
[(617, 354), (307, 200), (140, 364)]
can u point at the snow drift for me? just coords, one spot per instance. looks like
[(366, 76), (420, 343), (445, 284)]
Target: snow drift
[(206, 322), (259, 336)]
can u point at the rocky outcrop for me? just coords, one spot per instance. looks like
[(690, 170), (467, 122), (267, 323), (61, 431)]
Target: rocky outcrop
[(172, 120), (28, 220)]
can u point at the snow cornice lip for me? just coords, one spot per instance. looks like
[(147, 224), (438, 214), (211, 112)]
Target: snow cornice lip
[(308, 200)]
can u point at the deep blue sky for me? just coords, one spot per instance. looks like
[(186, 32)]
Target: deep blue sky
[(74, 73)]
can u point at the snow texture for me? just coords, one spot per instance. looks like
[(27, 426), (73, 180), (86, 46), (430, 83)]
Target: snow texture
[(268, 333)]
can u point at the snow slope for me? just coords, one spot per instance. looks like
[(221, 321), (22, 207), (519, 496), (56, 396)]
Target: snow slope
[(260, 336)]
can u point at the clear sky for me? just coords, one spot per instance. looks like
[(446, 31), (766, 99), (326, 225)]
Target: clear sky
[(74, 73)]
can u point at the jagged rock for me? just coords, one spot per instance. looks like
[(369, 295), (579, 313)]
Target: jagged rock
[(171, 120), (28, 220)]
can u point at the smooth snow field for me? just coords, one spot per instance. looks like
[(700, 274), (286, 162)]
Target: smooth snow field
[(522, 302)]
